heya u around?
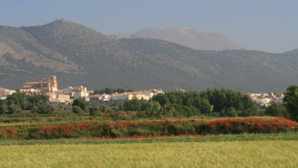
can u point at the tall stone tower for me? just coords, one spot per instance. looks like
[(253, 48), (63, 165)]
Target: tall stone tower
[(53, 84)]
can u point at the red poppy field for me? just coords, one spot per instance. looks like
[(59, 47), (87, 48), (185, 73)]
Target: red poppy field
[(133, 129)]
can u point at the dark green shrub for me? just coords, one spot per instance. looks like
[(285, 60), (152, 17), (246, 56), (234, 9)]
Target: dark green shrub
[(3, 109), (77, 110), (12, 109), (45, 109)]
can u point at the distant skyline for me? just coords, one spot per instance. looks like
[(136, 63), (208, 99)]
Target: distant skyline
[(267, 25)]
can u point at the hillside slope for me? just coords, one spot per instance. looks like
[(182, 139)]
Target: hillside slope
[(79, 55)]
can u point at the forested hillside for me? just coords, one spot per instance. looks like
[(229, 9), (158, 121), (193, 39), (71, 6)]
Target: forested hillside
[(79, 55)]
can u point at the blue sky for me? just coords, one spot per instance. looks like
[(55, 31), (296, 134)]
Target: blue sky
[(266, 25)]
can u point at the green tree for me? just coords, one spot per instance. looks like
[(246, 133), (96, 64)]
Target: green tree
[(133, 105), (161, 98), (34, 109), (112, 90), (13, 108), (156, 106), (95, 109), (203, 105), (80, 103), (36, 99), (3, 109), (291, 101), (45, 109), (17, 98), (229, 112), (278, 110)]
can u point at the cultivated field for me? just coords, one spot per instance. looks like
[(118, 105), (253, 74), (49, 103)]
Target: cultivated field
[(191, 154), (241, 142)]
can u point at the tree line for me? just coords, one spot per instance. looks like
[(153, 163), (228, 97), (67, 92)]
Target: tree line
[(112, 90), (17, 102), (218, 102), (289, 107), (212, 102)]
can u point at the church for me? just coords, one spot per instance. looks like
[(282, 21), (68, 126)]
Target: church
[(45, 84)]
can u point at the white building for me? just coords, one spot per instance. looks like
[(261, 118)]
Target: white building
[(3, 97), (146, 95), (4, 91), (80, 95), (254, 94), (58, 97), (99, 97), (30, 90), (67, 89), (80, 92), (119, 96)]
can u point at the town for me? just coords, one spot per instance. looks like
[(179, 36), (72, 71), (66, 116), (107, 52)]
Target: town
[(265, 99), (49, 86)]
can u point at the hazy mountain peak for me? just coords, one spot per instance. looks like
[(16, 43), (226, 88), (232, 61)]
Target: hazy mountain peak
[(190, 37)]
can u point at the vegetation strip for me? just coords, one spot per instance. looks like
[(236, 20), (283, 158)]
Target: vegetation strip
[(153, 128), (87, 119), (208, 138)]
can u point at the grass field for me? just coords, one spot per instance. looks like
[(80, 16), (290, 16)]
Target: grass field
[(190, 154), (290, 136)]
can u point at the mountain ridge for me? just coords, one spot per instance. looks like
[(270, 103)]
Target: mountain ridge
[(79, 55)]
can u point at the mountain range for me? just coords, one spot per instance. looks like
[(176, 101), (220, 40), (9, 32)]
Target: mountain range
[(79, 55), (188, 37)]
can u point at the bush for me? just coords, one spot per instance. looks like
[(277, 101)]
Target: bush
[(77, 110), (12, 109), (45, 109), (34, 109), (141, 114), (94, 110), (3, 109)]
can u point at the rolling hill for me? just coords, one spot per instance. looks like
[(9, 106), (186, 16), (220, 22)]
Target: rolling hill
[(79, 55)]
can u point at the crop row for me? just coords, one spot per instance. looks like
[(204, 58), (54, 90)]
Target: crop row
[(147, 129)]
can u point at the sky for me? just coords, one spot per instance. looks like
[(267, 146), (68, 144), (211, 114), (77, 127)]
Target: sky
[(266, 25)]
